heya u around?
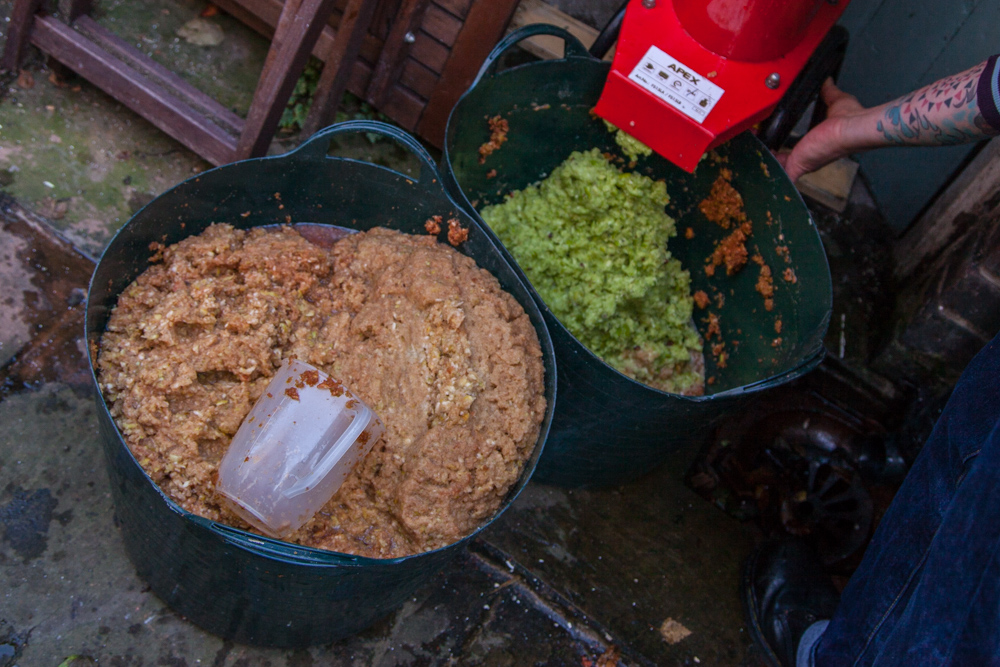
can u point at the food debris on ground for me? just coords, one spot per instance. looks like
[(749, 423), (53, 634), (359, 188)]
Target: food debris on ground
[(724, 205), (730, 251), (433, 225), (777, 325), (492, 173), (782, 251), (593, 242), (499, 127), (456, 232), (789, 275), (720, 299), (701, 299), (25, 80), (673, 632), (776, 342), (689, 233), (56, 80)]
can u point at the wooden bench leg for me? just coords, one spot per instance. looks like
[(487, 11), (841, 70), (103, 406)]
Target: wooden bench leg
[(78, 8), (394, 52), (354, 25), (21, 18), (298, 29)]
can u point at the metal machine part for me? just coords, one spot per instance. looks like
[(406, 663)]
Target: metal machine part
[(689, 74)]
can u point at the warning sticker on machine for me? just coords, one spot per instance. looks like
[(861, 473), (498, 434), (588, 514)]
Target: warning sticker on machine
[(676, 84)]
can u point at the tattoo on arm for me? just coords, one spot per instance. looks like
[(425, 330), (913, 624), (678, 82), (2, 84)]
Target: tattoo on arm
[(943, 113)]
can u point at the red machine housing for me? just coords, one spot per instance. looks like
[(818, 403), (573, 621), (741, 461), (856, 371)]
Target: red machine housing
[(689, 74)]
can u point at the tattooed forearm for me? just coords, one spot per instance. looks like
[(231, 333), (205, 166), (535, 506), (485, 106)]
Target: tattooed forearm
[(943, 113)]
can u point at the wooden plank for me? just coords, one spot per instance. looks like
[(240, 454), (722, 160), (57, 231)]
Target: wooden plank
[(458, 8), (361, 74), (426, 50), (403, 106), (171, 81), (395, 50), (339, 65), (544, 46), (430, 52), (268, 12), (134, 90), (385, 12), (78, 8), (946, 219), (243, 13), (418, 78), (483, 27), (371, 47), (441, 25), (830, 185), (286, 20), (298, 30), (21, 17), (262, 16)]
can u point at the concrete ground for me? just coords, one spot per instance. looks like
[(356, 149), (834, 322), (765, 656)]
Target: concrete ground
[(563, 578)]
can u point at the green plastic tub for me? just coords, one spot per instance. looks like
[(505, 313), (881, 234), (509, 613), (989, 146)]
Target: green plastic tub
[(609, 429), (238, 585)]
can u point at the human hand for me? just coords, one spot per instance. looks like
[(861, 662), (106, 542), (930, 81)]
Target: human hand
[(827, 141)]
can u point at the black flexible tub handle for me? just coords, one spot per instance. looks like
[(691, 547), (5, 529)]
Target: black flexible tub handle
[(574, 48), (317, 147)]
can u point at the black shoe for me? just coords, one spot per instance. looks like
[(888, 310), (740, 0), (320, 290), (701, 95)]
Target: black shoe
[(784, 592)]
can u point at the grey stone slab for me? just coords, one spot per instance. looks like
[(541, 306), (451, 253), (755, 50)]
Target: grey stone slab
[(15, 287), (633, 557)]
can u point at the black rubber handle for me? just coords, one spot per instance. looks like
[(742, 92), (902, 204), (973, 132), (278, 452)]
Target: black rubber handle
[(317, 147), (574, 48)]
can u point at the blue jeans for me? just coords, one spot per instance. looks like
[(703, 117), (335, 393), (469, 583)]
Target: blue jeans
[(928, 589)]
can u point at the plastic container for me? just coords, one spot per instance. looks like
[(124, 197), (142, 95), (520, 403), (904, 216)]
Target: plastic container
[(295, 448), (242, 586), (609, 429)]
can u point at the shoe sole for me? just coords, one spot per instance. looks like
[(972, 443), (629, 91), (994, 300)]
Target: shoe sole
[(753, 621)]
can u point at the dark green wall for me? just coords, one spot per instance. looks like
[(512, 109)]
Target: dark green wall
[(900, 45)]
